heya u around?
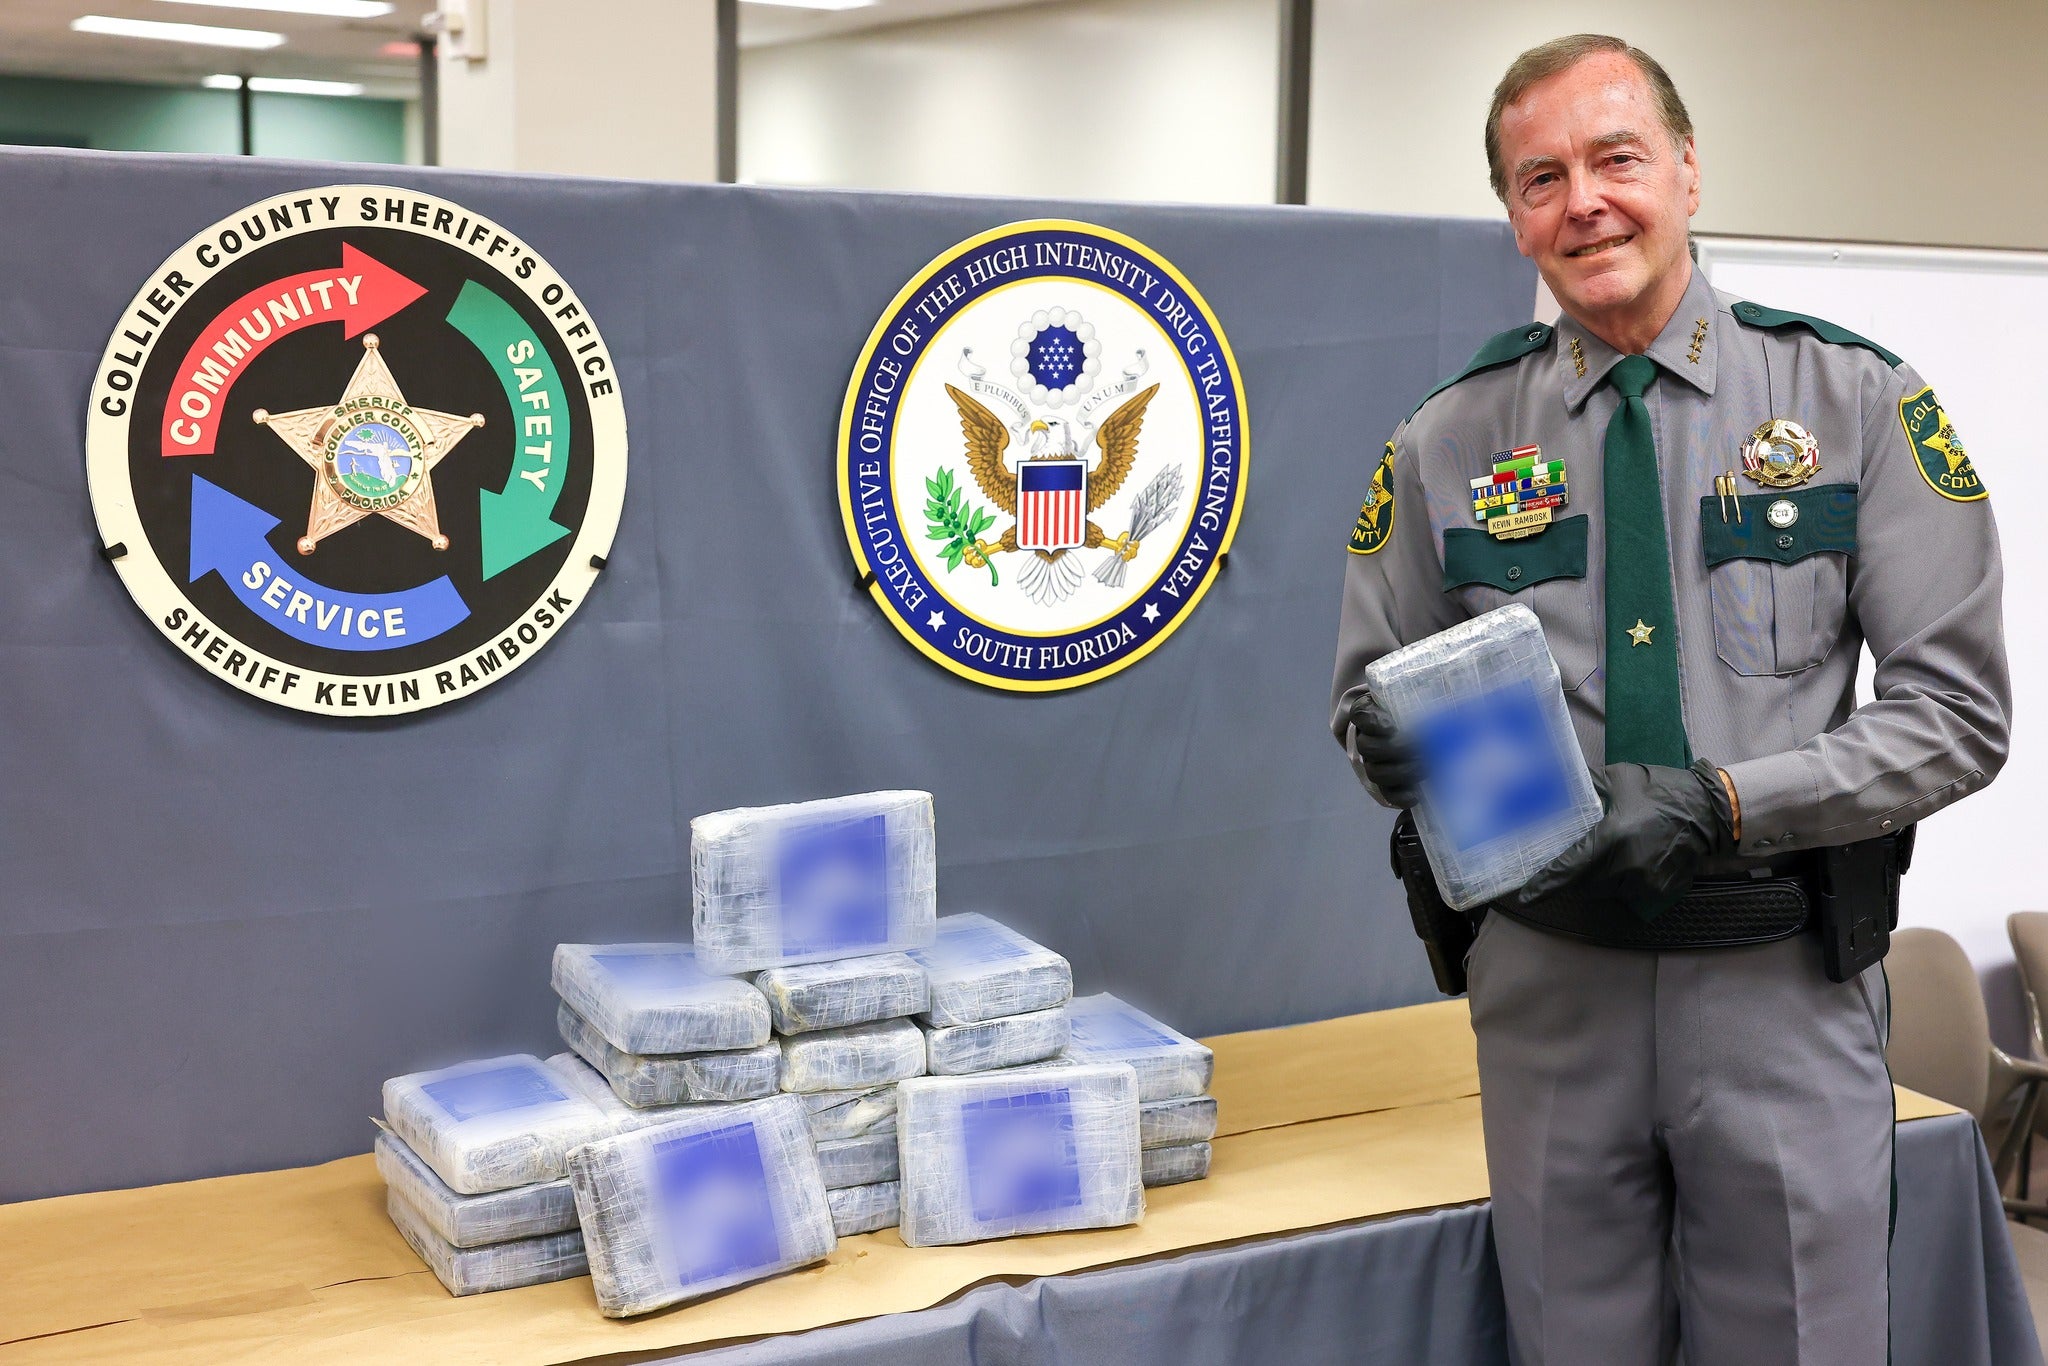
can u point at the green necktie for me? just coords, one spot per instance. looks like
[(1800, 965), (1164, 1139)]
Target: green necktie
[(1645, 724)]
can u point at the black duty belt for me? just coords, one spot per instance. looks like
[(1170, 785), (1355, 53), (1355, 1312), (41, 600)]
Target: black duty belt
[(1717, 913)]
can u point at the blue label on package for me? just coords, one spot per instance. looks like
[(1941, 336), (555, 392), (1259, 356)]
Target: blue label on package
[(1117, 1031), (715, 1193), (667, 968), (1021, 1157), (469, 1094), (1492, 766), (835, 886)]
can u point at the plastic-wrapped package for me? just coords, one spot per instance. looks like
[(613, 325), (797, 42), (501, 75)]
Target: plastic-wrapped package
[(987, 1044), (1004, 1153), (1183, 1119), (858, 1161), (859, 1055), (864, 1209), (645, 1079), (703, 1202), (1169, 1064), (846, 991), (981, 969), (472, 1220), (1171, 1165), (851, 1114), (656, 998), (810, 881), (496, 1266), (1505, 785), (589, 1083), (491, 1124)]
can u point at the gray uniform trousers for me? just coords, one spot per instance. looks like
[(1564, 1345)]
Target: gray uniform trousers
[(1700, 1138)]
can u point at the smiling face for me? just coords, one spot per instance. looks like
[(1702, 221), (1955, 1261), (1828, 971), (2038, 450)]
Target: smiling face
[(1599, 197)]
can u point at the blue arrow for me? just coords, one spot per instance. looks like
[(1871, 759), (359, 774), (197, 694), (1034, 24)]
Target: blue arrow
[(229, 538)]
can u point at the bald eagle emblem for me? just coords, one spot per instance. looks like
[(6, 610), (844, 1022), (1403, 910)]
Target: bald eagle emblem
[(1051, 472)]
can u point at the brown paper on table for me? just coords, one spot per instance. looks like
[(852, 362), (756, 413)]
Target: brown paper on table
[(304, 1263)]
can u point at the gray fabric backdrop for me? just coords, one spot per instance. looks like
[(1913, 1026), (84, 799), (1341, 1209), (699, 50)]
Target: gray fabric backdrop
[(1417, 1291), (197, 976)]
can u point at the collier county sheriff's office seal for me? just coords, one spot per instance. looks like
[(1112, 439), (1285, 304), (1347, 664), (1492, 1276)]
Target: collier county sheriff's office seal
[(356, 450), (1042, 455)]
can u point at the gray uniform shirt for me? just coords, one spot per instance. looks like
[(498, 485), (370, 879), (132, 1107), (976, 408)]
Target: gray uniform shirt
[(1893, 546)]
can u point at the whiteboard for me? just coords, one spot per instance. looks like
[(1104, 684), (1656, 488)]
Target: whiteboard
[(1966, 320)]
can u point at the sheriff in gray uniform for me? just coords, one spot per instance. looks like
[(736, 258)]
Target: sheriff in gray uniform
[(1718, 505)]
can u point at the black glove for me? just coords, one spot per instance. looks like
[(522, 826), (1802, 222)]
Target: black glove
[(1660, 824), (1391, 763)]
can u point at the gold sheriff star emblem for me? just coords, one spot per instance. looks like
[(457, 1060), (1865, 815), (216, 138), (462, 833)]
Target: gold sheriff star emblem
[(372, 453), (1639, 634)]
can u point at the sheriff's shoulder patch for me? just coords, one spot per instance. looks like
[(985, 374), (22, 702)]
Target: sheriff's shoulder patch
[(1376, 518), (1937, 449)]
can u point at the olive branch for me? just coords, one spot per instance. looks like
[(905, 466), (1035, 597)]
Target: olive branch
[(957, 523)]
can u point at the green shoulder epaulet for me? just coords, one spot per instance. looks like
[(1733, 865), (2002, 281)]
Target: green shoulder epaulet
[(1510, 345), (1777, 320)]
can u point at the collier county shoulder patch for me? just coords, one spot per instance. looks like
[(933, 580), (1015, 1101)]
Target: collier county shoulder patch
[(1939, 451), (1042, 455), (1376, 518), (356, 450)]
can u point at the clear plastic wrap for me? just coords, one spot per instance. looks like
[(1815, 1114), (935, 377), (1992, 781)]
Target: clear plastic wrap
[(846, 991), (644, 1080), (851, 1114), (864, 1209), (589, 1083), (1183, 1119), (1005, 1153), (988, 1044), (981, 969), (811, 881), (491, 1124), (1171, 1165), (498, 1266), (1505, 787), (704, 1202), (857, 1056), (859, 1161), (656, 998), (1169, 1064), (472, 1220)]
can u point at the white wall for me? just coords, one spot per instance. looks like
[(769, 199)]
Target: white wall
[(1098, 99), (1882, 120), (600, 87)]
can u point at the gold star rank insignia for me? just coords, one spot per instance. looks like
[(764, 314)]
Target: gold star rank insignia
[(1639, 634), (371, 453)]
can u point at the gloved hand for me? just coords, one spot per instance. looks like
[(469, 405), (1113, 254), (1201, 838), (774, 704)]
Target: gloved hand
[(1660, 823), (1392, 765)]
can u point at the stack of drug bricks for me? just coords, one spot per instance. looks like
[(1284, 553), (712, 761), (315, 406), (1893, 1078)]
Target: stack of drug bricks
[(474, 1159), (827, 1058)]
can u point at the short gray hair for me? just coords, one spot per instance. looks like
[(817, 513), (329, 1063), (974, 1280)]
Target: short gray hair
[(1560, 54)]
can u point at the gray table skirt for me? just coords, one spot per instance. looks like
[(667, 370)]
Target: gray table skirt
[(1418, 1290)]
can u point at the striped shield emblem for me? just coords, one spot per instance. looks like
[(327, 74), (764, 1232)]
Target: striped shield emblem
[(1052, 504)]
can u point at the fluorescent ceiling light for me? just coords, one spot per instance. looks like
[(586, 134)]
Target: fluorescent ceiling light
[(813, 4), (283, 85), (326, 9), (176, 33)]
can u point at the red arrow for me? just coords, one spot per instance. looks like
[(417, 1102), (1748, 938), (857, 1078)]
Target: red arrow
[(363, 293)]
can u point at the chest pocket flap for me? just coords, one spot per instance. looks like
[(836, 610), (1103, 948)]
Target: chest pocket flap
[(1472, 556), (1785, 526), (1779, 577)]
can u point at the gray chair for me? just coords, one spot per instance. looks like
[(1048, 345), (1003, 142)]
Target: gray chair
[(1941, 1046), (2028, 931)]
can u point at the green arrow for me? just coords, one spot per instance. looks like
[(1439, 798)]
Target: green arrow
[(517, 519)]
